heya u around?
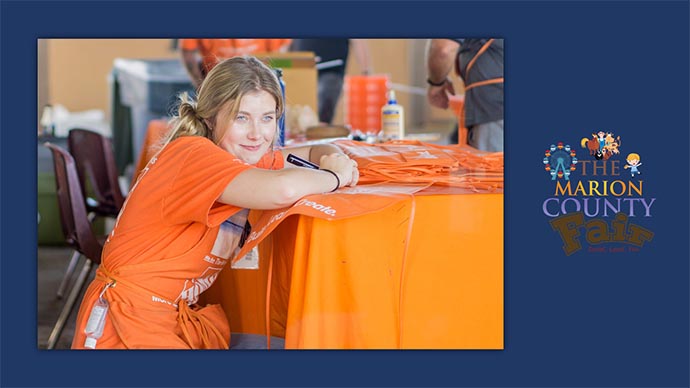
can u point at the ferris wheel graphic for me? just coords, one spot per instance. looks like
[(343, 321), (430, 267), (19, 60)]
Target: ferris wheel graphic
[(559, 161)]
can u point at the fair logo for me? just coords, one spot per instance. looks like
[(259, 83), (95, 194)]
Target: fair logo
[(597, 200)]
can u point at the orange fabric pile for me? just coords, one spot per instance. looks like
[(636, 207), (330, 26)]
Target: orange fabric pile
[(411, 161)]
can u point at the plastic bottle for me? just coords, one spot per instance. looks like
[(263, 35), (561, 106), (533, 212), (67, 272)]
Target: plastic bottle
[(48, 121), (392, 119)]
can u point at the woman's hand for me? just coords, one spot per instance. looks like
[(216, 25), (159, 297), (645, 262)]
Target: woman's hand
[(342, 165)]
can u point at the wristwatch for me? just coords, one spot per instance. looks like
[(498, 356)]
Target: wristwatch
[(432, 83)]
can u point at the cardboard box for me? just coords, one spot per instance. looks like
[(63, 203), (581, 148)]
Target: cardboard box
[(299, 74)]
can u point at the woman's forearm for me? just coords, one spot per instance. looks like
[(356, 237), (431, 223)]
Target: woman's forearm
[(279, 188)]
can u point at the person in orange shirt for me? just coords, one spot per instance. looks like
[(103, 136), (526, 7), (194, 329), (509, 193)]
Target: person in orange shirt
[(186, 215), (200, 55)]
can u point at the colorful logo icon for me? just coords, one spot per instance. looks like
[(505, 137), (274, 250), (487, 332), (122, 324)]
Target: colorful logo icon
[(602, 145), (559, 161)]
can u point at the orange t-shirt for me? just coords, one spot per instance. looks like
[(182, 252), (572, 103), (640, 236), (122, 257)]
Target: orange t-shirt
[(214, 50), (168, 246)]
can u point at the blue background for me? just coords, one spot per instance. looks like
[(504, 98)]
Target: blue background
[(571, 67)]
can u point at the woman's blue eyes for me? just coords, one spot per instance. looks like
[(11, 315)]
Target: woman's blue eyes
[(266, 118)]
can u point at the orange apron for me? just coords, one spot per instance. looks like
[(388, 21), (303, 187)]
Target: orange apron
[(154, 316)]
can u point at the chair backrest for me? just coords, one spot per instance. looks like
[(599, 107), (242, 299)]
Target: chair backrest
[(73, 214), (95, 161)]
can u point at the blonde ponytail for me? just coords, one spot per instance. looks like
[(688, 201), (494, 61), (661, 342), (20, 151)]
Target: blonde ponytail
[(187, 122)]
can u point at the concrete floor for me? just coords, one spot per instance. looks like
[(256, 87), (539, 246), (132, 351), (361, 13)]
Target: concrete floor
[(52, 263)]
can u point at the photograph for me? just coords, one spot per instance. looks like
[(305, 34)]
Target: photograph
[(283, 193)]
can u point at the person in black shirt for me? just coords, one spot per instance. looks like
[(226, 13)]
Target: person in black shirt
[(479, 63)]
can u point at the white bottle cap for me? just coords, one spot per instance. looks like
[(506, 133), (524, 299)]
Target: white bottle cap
[(90, 343), (391, 97)]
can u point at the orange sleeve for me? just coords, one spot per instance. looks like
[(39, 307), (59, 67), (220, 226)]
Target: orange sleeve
[(189, 44), (272, 161), (202, 172)]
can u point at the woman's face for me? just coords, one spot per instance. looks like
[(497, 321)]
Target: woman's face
[(250, 133)]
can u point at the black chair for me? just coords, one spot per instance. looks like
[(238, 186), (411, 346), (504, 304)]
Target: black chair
[(95, 160), (76, 227)]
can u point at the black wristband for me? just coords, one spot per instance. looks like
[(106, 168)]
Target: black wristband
[(432, 83), (336, 177)]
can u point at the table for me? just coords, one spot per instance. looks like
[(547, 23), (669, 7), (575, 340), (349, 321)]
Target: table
[(335, 284)]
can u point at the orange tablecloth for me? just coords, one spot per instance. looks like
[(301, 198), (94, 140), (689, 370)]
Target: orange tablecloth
[(348, 283)]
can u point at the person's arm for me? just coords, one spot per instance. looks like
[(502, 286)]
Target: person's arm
[(190, 59), (258, 188), (441, 54), (360, 48)]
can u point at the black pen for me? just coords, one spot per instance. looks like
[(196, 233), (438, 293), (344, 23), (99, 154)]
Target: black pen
[(297, 161)]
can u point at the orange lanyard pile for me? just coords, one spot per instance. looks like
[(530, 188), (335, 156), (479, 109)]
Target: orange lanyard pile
[(411, 161)]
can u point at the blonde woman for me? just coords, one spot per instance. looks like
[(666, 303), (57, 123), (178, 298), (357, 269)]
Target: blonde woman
[(186, 214)]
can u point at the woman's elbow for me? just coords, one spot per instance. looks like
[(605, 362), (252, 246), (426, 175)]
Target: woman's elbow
[(287, 192)]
